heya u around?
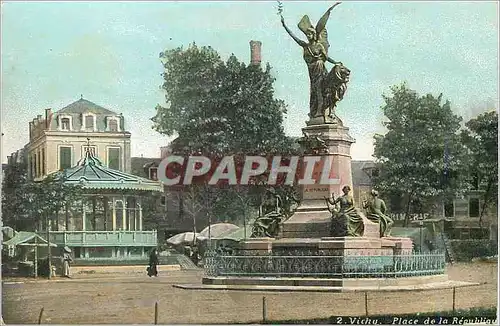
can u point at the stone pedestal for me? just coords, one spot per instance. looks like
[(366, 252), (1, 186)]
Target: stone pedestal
[(402, 246), (327, 246), (312, 218)]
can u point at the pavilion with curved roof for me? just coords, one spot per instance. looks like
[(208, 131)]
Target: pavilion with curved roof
[(108, 221)]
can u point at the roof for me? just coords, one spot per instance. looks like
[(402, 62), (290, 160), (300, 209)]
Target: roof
[(91, 173), (23, 238), (139, 165), (8, 232), (82, 106), (359, 170)]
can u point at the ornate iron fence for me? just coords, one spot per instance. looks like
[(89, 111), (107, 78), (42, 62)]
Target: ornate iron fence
[(324, 266)]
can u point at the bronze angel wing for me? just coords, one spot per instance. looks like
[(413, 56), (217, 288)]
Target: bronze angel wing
[(323, 40), (321, 28)]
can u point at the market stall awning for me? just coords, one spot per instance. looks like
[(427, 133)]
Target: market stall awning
[(182, 238), (24, 238), (215, 230)]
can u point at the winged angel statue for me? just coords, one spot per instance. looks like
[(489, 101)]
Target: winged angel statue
[(327, 88)]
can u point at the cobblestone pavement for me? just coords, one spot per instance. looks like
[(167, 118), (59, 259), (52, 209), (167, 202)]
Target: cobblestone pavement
[(130, 298)]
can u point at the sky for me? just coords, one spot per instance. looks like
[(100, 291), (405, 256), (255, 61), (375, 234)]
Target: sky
[(53, 52)]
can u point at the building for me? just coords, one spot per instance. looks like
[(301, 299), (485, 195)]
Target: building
[(362, 174), (145, 167), (90, 146), (59, 139), (17, 157), (4, 166), (169, 218), (107, 222)]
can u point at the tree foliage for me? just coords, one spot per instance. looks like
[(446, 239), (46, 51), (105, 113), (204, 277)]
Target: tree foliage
[(152, 216), (218, 108), (481, 139), (48, 197), (421, 155), (14, 207), (27, 203)]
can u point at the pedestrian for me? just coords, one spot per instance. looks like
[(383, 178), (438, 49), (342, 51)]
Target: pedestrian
[(195, 255), (67, 260), (153, 263)]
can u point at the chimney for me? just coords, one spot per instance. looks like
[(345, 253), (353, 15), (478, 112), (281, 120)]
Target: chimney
[(255, 55), (31, 129), (48, 118)]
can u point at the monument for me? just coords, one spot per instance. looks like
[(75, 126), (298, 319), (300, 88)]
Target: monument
[(314, 225), (328, 241)]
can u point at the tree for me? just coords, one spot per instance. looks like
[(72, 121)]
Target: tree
[(153, 218), (13, 196), (219, 108), (27, 203), (481, 139), (421, 156), (46, 198)]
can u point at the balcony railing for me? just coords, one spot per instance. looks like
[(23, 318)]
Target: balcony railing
[(104, 238)]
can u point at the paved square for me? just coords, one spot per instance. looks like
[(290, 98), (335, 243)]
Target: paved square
[(130, 298)]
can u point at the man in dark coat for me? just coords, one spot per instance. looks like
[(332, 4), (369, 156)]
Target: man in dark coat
[(153, 263)]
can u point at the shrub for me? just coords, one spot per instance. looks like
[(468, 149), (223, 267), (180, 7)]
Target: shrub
[(466, 250)]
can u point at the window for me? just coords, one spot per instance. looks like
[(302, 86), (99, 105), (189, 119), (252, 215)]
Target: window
[(65, 125), (113, 125), (449, 209), (473, 207), (39, 169), (35, 169), (31, 166), (163, 201), (64, 157), (91, 149), (153, 173), (114, 158), (43, 161), (89, 122)]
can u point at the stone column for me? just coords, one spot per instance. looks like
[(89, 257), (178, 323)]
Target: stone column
[(124, 214), (136, 213), (114, 214), (83, 216), (140, 216)]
